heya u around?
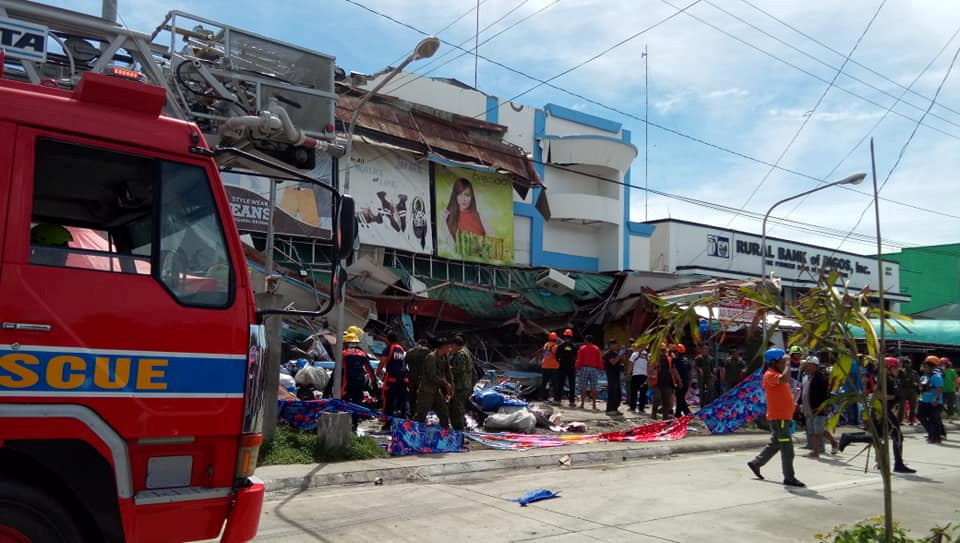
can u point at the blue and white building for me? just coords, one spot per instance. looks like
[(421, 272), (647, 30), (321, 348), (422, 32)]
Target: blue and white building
[(584, 163)]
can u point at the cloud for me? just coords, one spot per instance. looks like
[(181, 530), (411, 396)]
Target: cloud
[(701, 82), (727, 93), (787, 114)]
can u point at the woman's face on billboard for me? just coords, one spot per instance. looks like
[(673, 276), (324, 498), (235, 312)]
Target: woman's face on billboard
[(464, 199)]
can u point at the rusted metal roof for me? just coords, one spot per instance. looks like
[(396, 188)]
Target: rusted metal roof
[(452, 136)]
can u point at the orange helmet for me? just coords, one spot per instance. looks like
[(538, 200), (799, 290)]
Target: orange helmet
[(932, 360), (680, 348), (552, 336), (568, 333)]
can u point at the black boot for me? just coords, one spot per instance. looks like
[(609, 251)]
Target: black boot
[(902, 468)]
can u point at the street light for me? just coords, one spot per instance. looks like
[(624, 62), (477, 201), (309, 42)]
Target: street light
[(425, 49), (854, 179)]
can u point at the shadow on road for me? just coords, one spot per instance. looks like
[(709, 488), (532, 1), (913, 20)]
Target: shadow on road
[(307, 531)]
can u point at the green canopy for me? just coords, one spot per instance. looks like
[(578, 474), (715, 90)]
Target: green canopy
[(938, 332)]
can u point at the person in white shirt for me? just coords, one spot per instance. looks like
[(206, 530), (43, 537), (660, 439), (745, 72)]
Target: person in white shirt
[(637, 396)]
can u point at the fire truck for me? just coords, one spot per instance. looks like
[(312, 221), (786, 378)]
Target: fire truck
[(132, 365)]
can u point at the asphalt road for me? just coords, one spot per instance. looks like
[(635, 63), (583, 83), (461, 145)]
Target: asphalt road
[(690, 498)]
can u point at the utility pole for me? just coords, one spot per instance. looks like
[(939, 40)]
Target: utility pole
[(476, 46), (646, 133)]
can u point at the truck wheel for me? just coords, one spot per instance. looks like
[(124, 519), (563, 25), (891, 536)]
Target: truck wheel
[(30, 516)]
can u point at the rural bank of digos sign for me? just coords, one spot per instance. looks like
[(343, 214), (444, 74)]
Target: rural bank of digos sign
[(740, 253)]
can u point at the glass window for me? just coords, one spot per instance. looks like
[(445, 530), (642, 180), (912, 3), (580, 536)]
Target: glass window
[(96, 209), (194, 262)]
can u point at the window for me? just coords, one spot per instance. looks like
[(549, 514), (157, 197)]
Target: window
[(97, 210)]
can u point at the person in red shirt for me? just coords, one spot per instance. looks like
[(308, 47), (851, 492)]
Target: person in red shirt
[(589, 365), (780, 407)]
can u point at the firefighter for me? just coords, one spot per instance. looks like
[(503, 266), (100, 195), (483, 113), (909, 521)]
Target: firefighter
[(356, 371), (393, 371), (461, 369), (436, 385), (416, 358)]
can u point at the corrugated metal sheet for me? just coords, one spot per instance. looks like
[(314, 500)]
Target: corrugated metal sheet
[(455, 135), (526, 298)]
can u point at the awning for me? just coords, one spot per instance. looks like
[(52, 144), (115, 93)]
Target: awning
[(931, 332)]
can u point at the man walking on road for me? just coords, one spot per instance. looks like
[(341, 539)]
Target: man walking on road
[(780, 407), (889, 424)]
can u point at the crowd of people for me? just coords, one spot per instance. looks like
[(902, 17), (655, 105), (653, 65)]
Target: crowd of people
[(796, 384)]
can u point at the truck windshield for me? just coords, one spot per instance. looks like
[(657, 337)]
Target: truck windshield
[(114, 212)]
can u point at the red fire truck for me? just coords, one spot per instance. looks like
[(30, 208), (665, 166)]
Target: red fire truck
[(131, 350)]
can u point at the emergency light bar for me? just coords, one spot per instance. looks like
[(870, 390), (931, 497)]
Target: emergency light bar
[(124, 73)]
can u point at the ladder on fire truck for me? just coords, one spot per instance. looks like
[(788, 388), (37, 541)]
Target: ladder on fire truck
[(264, 96)]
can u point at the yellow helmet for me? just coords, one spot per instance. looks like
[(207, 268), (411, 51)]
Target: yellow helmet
[(355, 330), (50, 234), (349, 337)]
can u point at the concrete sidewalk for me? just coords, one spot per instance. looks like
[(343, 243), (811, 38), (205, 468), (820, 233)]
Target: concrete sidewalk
[(293, 478)]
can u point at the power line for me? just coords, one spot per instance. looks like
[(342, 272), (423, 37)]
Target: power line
[(807, 72), (905, 144), (607, 50), (652, 123), (808, 116), (753, 215), (847, 59), (828, 48), (885, 115), (413, 76), (447, 26)]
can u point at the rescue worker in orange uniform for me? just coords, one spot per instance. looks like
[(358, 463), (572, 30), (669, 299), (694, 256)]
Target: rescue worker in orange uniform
[(550, 369)]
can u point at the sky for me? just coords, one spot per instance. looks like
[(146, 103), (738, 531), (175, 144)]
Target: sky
[(734, 86)]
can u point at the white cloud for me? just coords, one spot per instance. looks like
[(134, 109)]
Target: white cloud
[(733, 92), (701, 82)]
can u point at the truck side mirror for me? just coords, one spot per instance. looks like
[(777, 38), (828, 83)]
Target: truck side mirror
[(346, 227)]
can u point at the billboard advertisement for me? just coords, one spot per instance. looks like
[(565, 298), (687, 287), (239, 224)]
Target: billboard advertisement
[(392, 193), (301, 208), (474, 215)]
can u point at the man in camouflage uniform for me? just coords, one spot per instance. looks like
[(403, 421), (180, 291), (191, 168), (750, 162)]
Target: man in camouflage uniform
[(704, 376), (416, 358), (435, 385), (461, 367)]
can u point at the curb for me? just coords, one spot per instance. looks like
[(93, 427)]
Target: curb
[(515, 460)]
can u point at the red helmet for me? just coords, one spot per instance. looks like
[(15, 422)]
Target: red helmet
[(891, 362), (680, 348), (945, 361), (552, 336), (568, 333)]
